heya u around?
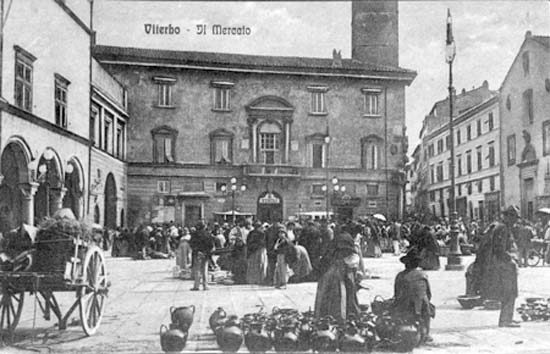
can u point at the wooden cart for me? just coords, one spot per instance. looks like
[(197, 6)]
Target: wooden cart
[(84, 274)]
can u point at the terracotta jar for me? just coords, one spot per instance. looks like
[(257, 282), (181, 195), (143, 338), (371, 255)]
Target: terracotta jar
[(172, 340), (230, 336), (183, 316)]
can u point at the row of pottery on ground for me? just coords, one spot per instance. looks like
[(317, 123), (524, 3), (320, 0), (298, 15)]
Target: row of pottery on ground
[(174, 338), (288, 330), (535, 309)]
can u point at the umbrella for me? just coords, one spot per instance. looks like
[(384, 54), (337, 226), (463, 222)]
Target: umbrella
[(379, 217), (544, 211)]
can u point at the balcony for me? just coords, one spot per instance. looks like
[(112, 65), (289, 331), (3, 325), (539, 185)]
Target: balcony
[(262, 170)]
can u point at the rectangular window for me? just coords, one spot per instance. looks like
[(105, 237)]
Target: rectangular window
[(107, 132), (222, 150), (119, 146), (165, 95), (470, 188), (23, 79), (432, 196), (448, 142), (163, 186), (317, 155), (459, 190), (479, 156), (459, 164), (546, 137), (491, 121), (492, 183), (469, 132), (440, 146), (371, 105), (432, 174), (60, 96), (525, 62), (491, 154), (458, 137), (431, 150), (222, 98), (480, 186), (479, 127), (511, 145), (372, 189), (269, 145), (318, 102), (440, 172), (94, 126), (528, 105), (469, 161)]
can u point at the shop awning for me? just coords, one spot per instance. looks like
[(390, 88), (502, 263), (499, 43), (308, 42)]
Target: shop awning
[(316, 214), (237, 213), (193, 195)]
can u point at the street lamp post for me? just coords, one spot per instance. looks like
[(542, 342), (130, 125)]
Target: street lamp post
[(233, 188), (453, 259), (335, 189), (325, 186)]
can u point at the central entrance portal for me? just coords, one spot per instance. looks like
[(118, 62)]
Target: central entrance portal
[(270, 207)]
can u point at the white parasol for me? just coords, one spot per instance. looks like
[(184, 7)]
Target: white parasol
[(379, 217), (544, 211)]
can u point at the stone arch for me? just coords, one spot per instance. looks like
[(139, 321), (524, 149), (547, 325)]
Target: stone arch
[(49, 195), (14, 167), (74, 185), (110, 202)]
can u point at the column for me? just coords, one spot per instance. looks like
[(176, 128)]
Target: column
[(287, 142), (254, 143), (56, 199), (28, 190)]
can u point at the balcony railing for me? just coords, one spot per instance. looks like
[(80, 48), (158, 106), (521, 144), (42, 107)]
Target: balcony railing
[(271, 170)]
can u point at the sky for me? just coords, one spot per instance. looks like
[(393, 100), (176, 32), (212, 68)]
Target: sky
[(488, 35)]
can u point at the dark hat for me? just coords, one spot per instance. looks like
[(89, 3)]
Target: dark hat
[(412, 256), (512, 210), (257, 224)]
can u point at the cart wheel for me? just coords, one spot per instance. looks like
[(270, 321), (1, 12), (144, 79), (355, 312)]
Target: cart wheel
[(92, 294), (533, 258), (11, 306)]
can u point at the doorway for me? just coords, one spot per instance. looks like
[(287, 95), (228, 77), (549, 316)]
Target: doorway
[(270, 207), (193, 214)]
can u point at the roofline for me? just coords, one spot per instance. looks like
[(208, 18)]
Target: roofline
[(462, 117), (517, 56), (411, 76), (72, 15)]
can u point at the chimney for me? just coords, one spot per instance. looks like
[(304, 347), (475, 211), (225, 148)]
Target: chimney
[(528, 34), (336, 58), (485, 84), (374, 32)]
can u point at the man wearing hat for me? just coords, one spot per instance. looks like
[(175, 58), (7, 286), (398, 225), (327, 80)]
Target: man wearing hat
[(412, 294)]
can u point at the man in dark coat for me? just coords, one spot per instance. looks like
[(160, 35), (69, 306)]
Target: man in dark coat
[(271, 238), (202, 245), (310, 238)]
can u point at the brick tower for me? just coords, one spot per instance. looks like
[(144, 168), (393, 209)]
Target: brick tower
[(374, 32)]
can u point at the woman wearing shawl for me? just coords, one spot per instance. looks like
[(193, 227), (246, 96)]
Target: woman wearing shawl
[(282, 247), (257, 256), (336, 289), (183, 252)]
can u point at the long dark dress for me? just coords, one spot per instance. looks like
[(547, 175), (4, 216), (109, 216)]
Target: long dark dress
[(336, 290), (429, 250)]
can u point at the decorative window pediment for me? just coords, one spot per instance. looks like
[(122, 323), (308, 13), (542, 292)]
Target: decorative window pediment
[(270, 106)]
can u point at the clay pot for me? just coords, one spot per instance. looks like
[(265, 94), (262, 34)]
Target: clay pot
[(173, 340), (257, 339), (352, 340), (325, 337), (286, 338), (183, 316), (407, 337), (217, 318), (230, 336)]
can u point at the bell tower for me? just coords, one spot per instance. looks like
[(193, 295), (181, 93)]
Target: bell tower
[(374, 32)]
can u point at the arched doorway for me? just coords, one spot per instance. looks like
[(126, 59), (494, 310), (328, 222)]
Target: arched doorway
[(50, 182), (110, 202), (270, 207), (74, 186), (14, 162)]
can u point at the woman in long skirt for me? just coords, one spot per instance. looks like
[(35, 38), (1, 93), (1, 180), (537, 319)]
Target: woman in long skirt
[(299, 263), (183, 253), (281, 268), (256, 270)]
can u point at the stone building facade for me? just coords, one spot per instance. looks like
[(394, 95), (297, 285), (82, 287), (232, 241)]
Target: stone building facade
[(45, 149), (281, 126), (477, 151), (525, 134)]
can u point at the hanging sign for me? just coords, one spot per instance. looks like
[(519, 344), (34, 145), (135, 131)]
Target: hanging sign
[(270, 198)]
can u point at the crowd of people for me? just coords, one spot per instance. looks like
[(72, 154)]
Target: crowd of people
[(332, 254)]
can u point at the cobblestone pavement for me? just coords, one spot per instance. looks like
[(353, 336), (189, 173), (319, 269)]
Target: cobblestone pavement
[(143, 291)]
